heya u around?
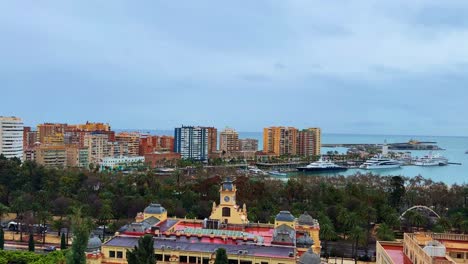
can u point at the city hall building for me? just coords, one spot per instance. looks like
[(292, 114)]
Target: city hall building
[(289, 240)]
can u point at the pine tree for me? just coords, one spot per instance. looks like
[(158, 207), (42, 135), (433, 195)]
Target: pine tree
[(31, 246), (2, 239), (63, 243), (143, 253), (221, 256)]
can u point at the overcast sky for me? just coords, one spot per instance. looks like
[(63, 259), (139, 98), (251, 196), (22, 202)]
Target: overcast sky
[(369, 67)]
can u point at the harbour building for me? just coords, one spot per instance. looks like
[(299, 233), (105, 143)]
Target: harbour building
[(229, 140), (11, 137), (191, 142), (289, 240)]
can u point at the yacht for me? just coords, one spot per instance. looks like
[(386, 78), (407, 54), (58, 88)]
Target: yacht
[(380, 162), (431, 160), (322, 165)]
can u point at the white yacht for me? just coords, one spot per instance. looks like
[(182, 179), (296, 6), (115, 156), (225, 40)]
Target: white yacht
[(322, 165), (431, 160), (380, 162)]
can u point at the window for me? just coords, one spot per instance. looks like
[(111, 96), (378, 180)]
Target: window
[(264, 262), (166, 258), (183, 259), (226, 212), (245, 262), (119, 254), (205, 260), (111, 254), (232, 261), (159, 257), (192, 259)]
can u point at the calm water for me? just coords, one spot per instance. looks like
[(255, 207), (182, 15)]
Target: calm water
[(455, 148)]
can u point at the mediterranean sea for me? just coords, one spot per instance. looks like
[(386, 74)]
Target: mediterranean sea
[(454, 150)]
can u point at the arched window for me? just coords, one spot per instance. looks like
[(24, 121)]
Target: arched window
[(226, 212)]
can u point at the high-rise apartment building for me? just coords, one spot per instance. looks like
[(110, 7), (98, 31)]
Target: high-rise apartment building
[(129, 141), (51, 156), (280, 140), (77, 157), (229, 140), (11, 137), (309, 142), (248, 144), (49, 129), (98, 146), (191, 142), (167, 143), (212, 139)]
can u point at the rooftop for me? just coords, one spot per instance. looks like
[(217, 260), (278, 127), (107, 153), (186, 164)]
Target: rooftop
[(198, 245)]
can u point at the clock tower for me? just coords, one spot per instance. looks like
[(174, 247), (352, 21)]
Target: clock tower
[(228, 211)]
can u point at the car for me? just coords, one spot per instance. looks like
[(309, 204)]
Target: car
[(12, 226), (50, 248)]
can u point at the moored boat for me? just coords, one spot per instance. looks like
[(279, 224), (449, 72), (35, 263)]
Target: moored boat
[(380, 162), (322, 165)]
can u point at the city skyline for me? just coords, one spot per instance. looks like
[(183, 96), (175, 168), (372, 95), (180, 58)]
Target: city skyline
[(372, 67)]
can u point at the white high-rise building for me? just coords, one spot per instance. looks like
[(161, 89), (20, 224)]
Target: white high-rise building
[(191, 142), (11, 137)]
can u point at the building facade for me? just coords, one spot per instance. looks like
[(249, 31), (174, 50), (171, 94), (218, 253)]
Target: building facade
[(212, 139), (248, 144), (51, 156), (309, 142), (120, 163), (280, 140), (191, 142), (98, 146), (49, 129), (130, 141), (229, 140), (77, 157), (11, 137)]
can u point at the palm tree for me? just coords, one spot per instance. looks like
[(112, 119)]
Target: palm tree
[(327, 232), (444, 222), (418, 220), (384, 232), (357, 235)]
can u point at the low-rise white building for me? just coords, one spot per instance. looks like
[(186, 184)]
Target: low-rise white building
[(120, 163)]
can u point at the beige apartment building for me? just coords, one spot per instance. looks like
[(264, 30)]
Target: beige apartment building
[(229, 140), (98, 146), (51, 156)]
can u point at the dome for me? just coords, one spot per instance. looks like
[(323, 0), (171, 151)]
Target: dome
[(154, 209), (309, 257), (306, 219), (284, 216), (305, 241), (94, 244)]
